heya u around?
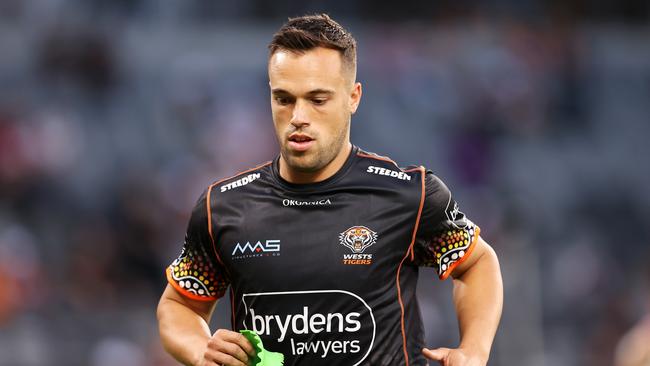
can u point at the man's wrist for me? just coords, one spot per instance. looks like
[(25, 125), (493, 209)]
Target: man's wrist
[(475, 350), (199, 353)]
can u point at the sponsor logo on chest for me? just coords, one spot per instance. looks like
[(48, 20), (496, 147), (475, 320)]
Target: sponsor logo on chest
[(388, 172), (289, 202), (267, 248), (240, 182), (314, 325)]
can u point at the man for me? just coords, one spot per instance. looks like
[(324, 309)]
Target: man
[(632, 349), (320, 248)]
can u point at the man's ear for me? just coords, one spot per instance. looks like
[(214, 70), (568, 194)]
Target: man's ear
[(355, 97)]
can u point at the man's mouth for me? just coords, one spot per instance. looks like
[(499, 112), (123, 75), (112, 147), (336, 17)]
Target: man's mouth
[(300, 142)]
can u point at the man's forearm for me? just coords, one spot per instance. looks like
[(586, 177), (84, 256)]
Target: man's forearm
[(183, 332), (478, 297)]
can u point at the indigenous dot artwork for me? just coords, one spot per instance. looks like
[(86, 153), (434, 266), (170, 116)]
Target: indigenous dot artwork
[(195, 274), (449, 246)]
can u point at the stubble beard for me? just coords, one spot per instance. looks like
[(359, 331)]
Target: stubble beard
[(316, 159)]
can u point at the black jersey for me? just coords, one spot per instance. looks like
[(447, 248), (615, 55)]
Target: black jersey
[(325, 272)]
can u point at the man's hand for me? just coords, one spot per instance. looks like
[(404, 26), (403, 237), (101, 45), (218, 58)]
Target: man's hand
[(453, 357), (227, 348)]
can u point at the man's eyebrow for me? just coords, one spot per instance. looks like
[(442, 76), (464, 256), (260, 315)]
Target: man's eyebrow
[(311, 92), (279, 91), (321, 91)]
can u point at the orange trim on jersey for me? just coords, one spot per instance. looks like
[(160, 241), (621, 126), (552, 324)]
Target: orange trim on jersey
[(468, 252), (417, 224), (184, 292), (377, 157), (209, 211), (410, 250)]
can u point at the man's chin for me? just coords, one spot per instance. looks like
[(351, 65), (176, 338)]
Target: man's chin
[(302, 162), (302, 166)]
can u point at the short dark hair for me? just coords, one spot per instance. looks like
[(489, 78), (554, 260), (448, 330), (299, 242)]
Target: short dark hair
[(310, 31)]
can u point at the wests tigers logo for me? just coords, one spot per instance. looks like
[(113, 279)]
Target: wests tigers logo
[(358, 238)]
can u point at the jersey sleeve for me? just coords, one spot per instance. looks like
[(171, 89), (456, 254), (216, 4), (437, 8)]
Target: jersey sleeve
[(197, 273), (445, 235)]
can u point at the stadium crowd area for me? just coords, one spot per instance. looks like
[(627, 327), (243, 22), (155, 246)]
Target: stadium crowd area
[(115, 115)]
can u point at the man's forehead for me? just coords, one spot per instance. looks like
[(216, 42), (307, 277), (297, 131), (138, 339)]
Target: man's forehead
[(313, 69), (326, 56)]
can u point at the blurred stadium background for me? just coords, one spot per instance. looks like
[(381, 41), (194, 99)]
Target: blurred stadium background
[(116, 114)]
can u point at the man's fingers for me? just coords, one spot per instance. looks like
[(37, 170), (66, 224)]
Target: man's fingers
[(221, 358), (438, 354), (231, 349), (237, 338)]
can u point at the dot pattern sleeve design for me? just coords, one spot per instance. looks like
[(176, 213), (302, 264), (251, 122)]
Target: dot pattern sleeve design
[(193, 275), (447, 250), (197, 273), (445, 236)]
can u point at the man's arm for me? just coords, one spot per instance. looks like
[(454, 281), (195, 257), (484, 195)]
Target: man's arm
[(478, 298), (185, 333), (632, 349)]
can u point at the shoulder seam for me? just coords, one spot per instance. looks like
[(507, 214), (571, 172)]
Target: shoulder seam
[(240, 173), (378, 157)]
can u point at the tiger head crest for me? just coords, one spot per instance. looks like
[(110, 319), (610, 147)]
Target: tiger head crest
[(358, 238)]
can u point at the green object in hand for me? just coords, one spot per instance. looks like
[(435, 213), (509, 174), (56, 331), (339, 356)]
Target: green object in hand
[(263, 357)]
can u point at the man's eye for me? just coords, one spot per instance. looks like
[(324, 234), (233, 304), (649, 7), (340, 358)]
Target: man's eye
[(319, 101), (282, 100)]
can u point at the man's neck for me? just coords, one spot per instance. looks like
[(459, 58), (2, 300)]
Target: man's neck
[(297, 177)]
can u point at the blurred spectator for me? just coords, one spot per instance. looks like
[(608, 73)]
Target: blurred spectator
[(79, 55)]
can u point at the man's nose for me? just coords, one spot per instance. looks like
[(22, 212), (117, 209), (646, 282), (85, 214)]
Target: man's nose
[(299, 117)]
